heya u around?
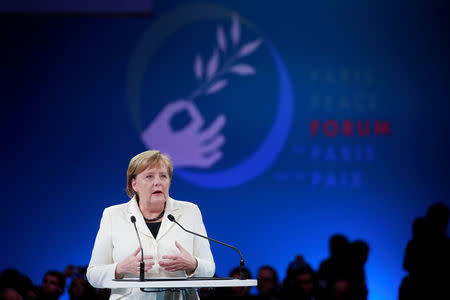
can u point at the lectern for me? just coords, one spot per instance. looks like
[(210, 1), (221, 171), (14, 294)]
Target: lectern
[(179, 283)]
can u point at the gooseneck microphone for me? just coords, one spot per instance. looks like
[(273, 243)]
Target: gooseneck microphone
[(241, 265), (141, 267)]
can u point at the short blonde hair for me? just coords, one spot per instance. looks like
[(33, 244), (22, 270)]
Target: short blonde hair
[(144, 160)]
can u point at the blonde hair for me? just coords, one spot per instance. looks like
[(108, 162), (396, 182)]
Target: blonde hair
[(144, 160)]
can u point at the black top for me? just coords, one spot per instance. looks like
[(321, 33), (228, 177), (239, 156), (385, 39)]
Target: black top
[(154, 228)]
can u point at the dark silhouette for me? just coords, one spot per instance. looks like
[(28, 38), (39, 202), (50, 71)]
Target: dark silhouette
[(301, 281), (335, 267), (72, 271), (102, 294), (359, 252), (427, 257), (342, 274), (340, 289), (241, 292), (13, 283), (268, 283), (80, 289), (53, 285)]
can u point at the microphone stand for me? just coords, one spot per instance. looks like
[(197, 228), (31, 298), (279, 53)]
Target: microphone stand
[(142, 265), (241, 264)]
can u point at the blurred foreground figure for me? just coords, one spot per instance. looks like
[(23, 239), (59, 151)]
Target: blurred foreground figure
[(241, 292), (52, 286), (10, 294), (80, 289), (268, 283), (427, 257), (301, 282)]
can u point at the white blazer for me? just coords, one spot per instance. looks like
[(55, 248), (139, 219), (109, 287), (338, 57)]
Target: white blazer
[(116, 239)]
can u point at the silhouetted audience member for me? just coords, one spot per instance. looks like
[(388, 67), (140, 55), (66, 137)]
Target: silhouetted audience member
[(53, 285), (437, 220), (241, 292), (415, 260), (340, 289), (297, 263), (301, 283), (12, 280), (10, 294), (427, 257), (206, 293), (342, 274), (80, 289), (102, 294), (72, 271), (359, 252), (268, 283), (415, 254), (336, 266), (32, 293)]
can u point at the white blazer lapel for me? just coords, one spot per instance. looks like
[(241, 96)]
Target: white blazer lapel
[(133, 210), (166, 224)]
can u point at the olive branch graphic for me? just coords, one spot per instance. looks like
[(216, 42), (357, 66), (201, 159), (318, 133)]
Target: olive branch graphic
[(211, 79)]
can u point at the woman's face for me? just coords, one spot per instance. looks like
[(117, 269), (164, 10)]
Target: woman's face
[(152, 184)]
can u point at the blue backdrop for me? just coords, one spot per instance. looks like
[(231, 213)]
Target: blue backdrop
[(336, 122)]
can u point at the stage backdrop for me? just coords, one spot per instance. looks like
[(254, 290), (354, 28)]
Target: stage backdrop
[(287, 122)]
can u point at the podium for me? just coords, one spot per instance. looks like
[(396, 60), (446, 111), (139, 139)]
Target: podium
[(164, 284)]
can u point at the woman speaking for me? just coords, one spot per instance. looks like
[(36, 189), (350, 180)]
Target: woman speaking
[(168, 250)]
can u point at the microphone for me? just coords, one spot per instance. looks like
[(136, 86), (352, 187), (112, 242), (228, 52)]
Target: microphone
[(241, 265), (141, 267)]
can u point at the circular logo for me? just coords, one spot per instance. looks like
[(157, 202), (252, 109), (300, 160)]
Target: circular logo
[(191, 147)]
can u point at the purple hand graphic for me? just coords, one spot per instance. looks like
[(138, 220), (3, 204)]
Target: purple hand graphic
[(190, 146)]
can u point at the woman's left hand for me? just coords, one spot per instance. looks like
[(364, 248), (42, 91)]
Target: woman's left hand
[(182, 261)]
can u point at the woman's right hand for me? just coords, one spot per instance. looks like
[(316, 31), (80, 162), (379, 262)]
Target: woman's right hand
[(131, 264)]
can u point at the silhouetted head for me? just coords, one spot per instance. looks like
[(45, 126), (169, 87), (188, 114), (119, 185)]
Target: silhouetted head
[(267, 280), (11, 278), (53, 284), (359, 251), (10, 294), (81, 289), (301, 283), (297, 263), (338, 245), (235, 273)]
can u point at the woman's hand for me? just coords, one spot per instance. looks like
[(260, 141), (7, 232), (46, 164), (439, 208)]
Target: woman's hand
[(182, 261), (131, 264)]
